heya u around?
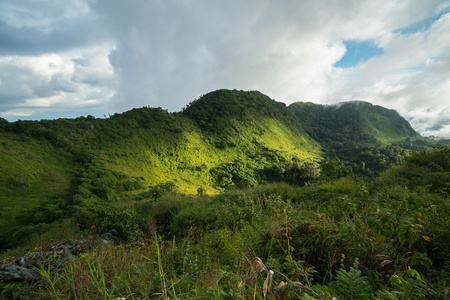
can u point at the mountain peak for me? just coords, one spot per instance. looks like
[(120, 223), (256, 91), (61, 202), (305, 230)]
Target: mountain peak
[(356, 117)]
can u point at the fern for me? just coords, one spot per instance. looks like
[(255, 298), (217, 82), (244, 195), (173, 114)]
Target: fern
[(386, 295), (305, 296), (351, 284)]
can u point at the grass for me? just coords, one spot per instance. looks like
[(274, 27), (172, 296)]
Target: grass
[(201, 246), (41, 162), (270, 242), (31, 172), (182, 157)]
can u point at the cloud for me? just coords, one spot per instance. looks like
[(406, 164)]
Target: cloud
[(115, 55), (173, 52), (412, 76), (38, 27), (55, 81), (53, 57)]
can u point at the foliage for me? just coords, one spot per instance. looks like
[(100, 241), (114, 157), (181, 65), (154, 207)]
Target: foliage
[(189, 247), (367, 137), (351, 284), (158, 191), (333, 169), (218, 186), (222, 140)]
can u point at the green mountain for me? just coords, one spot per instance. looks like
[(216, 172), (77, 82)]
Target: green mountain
[(353, 120), (224, 139), (306, 201), (369, 138)]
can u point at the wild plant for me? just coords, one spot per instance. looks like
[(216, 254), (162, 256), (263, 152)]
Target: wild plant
[(299, 270), (352, 284), (409, 284), (286, 234), (162, 276)]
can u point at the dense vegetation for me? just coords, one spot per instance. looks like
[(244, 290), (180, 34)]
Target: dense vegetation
[(344, 238), (235, 197), (368, 138), (71, 167)]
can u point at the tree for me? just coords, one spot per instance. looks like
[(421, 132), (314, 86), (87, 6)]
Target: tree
[(333, 169)]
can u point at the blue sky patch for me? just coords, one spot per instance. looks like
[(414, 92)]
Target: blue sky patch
[(357, 52), (422, 25)]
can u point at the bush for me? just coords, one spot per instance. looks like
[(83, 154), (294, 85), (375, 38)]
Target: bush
[(157, 191)]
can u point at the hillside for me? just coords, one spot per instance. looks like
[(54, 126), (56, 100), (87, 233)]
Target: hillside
[(236, 184), (353, 120), (367, 137), (224, 139), (338, 239)]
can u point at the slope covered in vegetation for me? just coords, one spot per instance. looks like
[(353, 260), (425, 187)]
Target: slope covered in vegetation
[(349, 231), (72, 167), (343, 238), (368, 138)]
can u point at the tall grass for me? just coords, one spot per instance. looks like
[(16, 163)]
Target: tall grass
[(206, 247)]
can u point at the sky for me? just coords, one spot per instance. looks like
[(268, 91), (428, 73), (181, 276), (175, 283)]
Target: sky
[(64, 59)]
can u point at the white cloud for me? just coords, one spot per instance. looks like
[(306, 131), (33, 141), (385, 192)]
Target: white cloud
[(133, 53), (65, 80), (18, 113), (412, 76)]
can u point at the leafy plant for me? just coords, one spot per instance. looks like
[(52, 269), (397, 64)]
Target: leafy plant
[(410, 285), (351, 284)]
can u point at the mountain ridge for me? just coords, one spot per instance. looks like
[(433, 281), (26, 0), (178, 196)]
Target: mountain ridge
[(194, 202), (225, 138)]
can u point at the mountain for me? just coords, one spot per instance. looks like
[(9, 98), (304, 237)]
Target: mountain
[(353, 120), (76, 194), (369, 138), (226, 138)]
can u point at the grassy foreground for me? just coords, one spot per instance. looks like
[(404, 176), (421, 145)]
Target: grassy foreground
[(342, 238)]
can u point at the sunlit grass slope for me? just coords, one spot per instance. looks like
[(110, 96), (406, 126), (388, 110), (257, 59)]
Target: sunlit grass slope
[(220, 127), (31, 172), (224, 139)]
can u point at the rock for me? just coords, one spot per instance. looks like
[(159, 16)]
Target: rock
[(107, 236), (17, 273), (57, 263), (111, 235), (39, 256), (24, 261), (114, 232), (22, 268), (105, 242)]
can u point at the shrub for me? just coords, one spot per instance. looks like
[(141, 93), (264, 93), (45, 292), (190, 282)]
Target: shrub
[(351, 284)]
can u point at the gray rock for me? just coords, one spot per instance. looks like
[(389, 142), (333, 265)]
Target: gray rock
[(24, 261), (107, 236), (114, 232), (111, 235), (39, 256), (22, 268), (17, 273), (105, 242)]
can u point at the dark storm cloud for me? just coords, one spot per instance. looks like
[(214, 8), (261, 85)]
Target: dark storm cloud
[(32, 41), (37, 27)]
